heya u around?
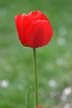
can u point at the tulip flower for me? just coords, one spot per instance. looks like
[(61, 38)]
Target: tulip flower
[(34, 30)]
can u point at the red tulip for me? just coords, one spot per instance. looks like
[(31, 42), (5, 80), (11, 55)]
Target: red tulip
[(39, 107), (34, 29)]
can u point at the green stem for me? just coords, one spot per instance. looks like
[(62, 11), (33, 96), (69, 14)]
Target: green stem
[(36, 83)]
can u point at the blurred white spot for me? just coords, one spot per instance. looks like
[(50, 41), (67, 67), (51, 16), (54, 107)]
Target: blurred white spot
[(62, 31), (52, 83), (4, 83), (3, 12), (60, 61), (61, 41), (66, 92), (67, 105)]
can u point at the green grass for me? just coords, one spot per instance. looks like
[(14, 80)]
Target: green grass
[(16, 62)]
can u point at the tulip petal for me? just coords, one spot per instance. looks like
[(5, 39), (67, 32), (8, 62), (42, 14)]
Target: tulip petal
[(39, 34), (38, 15), (19, 26), (27, 21), (22, 23)]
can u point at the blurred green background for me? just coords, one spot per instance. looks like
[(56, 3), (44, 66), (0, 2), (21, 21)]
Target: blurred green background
[(54, 61)]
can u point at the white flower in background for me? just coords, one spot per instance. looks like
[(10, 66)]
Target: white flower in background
[(61, 41), (67, 105), (52, 83), (4, 83), (62, 31), (66, 92), (60, 61)]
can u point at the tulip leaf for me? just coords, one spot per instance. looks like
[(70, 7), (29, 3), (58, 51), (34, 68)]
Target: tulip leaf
[(29, 100)]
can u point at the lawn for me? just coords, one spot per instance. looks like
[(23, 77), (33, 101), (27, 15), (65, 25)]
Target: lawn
[(54, 62)]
